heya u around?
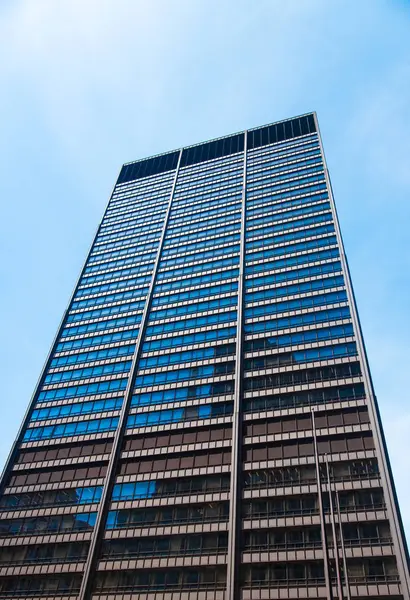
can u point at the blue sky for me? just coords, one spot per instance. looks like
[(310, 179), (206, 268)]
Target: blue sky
[(89, 85)]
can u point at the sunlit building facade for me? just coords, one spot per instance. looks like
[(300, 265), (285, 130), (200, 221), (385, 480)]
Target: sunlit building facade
[(205, 426)]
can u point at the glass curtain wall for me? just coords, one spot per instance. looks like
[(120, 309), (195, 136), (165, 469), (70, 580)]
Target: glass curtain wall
[(205, 427)]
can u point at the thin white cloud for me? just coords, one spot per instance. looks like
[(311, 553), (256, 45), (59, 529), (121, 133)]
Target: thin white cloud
[(108, 77), (379, 133), (103, 66)]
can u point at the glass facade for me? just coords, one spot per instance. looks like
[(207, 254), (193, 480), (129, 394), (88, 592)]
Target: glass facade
[(205, 426)]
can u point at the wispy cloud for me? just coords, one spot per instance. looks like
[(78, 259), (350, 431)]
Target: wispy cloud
[(379, 132), (108, 71), (88, 85)]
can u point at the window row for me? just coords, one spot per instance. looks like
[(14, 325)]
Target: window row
[(276, 152), (298, 304), (323, 420), (210, 182), (187, 356), (268, 207), (257, 156), (295, 161), (308, 398), (197, 206), (271, 177), (200, 267), (128, 231), (189, 339), (114, 274), (205, 411), (199, 513), (301, 337), (121, 262), (136, 212), (224, 216), (305, 376), (208, 193), (195, 246), (101, 325), (97, 256), (97, 340), (301, 356), (286, 185), (191, 323), (284, 450), (291, 248), (154, 213), (63, 451), (306, 474), (218, 303), (142, 547), (74, 391), (46, 585), (202, 435), (86, 372), (44, 553), (142, 201), (121, 242), (203, 211), (203, 235), (293, 192), (278, 239), (196, 256), (70, 496), (274, 216), (293, 224), (176, 462), (105, 312), (302, 273), (281, 263), (304, 505), (207, 291), (138, 294), (97, 289), (282, 539), (302, 574), (275, 173), (220, 173), (200, 372), (69, 429), (93, 355), (320, 316), (181, 394), (47, 525), (163, 488), (296, 288), (80, 408), (161, 580), (198, 280), (57, 475)]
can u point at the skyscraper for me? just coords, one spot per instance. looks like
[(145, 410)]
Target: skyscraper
[(205, 426)]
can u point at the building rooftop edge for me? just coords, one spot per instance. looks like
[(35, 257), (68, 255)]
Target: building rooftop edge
[(312, 112)]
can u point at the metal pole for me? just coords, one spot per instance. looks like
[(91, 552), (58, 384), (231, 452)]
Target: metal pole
[(332, 521), (326, 565), (342, 546)]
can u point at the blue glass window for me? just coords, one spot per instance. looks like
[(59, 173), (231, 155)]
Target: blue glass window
[(68, 429), (296, 274), (321, 316)]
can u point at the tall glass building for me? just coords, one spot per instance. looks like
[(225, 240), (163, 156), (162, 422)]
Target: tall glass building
[(205, 426)]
